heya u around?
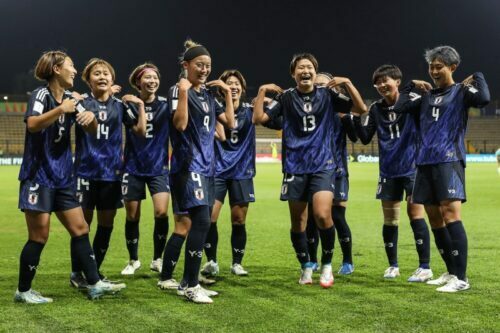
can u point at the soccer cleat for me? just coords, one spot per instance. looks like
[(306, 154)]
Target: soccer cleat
[(181, 291), (237, 269), (78, 280), (454, 285), (326, 277), (156, 265), (315, 267), (391, 272), (31, 297), (102, 288), (443, 279), (168, 284), (131, 267), (346, 269), (211, 268), (421, 275), (197, 295), (204, 280), (306, 276)]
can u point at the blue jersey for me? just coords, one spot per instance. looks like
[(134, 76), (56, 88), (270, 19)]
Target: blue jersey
[(235, 157), (344, 128), (193, 149), (442, 119), (99, 156), (148, 156), (396, 134), (47, 153), (308, 128)]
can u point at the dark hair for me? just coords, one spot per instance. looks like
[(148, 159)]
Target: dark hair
[(137, 73), (91, 64), (447, 54), (297, 57), (44, 69), (236, 73), (391, 71)]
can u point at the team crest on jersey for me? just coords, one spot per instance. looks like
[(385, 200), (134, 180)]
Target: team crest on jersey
[(61, 119), (438, 100), (308, 107), (149, 116), (205, 106), (103, 115), (124, 189), (33, 198), (198, 194)]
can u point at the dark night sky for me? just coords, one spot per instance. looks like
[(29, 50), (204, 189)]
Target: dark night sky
[(349, 38)]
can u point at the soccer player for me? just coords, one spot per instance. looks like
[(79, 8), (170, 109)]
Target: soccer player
[(440, 180), (343, 127), (46, 176), (309, 163), (98, 158), (146, 163), (397, 148), (234, 172), (194, 114)]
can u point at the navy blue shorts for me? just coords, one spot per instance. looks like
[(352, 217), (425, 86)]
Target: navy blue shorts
[(393, 189), (302, 187), (438, 182), (134, 187), (341, 188), (97, 194), (40, 198), (190, 189), (240, 190)]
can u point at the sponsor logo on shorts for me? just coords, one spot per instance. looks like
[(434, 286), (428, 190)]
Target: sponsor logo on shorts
[(198, 194), (284, 189), (251, 195), (452, 191)]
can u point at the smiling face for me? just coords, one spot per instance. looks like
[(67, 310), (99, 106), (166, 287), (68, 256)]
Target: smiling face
[(100, 79), (441, 74), (304, 75), (236, 88), (198, 69), (65, 73), (149, 82), (387, 87)]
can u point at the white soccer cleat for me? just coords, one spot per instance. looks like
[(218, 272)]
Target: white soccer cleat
[(206, 281), (442, 280), (131, 267), (156, 265), (326, 277), (211, 268), (197, 295), (391, 272), (421, 275), (181, 291), (306, 276), (454, 285), (31, 297), (168, 284), (237, 269), (102, 288)]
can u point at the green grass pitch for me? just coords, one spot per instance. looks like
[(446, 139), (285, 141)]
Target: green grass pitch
[(269, 299)]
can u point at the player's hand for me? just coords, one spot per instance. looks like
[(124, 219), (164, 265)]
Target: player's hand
[(271, 87), (184, 84), (132, 99), (422, 85), (68, 105), (468, 80), (76, 96), (85, 118), (337, 81), (221, 84), (115, 89)]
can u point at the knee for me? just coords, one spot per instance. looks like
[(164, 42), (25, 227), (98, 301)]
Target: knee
[(391, 221), (160, 213), (238, 219), (323, 219), (79, 228)]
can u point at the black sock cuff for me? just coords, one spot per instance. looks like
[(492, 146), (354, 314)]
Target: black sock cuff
[(34, 243), (163, 219), (130, 223), (80, 238), (455, 226), (238, 226)]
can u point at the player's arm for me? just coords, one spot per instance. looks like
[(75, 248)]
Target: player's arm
[(181, 115), (410, 96), (365, 132), (348, 125), (227, 116), (358, 105), (37, 123), (140, 127), (259, 116), (220, 135), (477, 93), (86, 119)]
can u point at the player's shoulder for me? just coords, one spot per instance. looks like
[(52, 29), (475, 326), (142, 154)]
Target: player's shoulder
[(40, 93), (173, 91)]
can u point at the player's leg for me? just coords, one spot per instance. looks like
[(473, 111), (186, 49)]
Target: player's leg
[(238, 237), (422, 241), (340, 222), (312, 237), (298, 219), (160, 194), (391, 211)]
